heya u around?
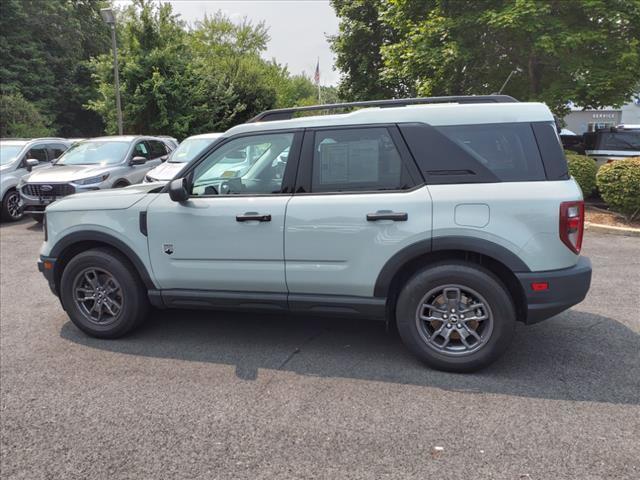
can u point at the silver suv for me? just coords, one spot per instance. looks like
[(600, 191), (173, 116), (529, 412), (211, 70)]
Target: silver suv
[(94, 164), (17, 158), (452, 217)]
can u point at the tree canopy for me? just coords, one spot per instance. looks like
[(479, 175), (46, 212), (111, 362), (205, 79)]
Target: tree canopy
[(56, 70), (44, 49), (581, 51), (184, 80)]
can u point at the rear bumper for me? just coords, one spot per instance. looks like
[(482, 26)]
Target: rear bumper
[(567, 287)]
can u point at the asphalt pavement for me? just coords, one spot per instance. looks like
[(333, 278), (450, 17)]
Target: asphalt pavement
[(216, 395)]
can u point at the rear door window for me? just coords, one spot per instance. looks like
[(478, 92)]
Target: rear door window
[(357, 159)]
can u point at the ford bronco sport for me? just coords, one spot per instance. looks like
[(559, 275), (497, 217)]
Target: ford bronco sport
[(454, 217)]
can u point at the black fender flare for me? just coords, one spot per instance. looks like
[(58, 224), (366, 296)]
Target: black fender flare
[(441, 244), (93, 236)]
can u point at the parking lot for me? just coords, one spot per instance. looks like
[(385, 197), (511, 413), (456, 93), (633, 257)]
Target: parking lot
[(219, 395)]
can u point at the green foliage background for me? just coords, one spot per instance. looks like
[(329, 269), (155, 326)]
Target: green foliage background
[(56, 71), (619, 185), (583, 169), (581, 51)]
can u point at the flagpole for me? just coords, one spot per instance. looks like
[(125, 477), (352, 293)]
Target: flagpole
[(318, 81)]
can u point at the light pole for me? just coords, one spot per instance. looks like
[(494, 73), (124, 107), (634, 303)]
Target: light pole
[(110, 19)]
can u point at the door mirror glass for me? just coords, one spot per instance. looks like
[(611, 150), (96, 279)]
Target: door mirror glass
[(179, 190), (30, 163), (138, 160)]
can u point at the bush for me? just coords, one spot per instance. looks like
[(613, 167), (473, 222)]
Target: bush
[(584, 170), (21, 118), (619, 185)]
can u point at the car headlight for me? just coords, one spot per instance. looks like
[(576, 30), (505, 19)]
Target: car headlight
[(149, 179), (90, 180)]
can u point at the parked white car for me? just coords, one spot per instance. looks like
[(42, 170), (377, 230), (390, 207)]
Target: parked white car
[(181, 156)]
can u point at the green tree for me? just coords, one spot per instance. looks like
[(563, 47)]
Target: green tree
[(156, 80), (358, 49), (21, 118), (44, 46), (581, 51), (183, 81)]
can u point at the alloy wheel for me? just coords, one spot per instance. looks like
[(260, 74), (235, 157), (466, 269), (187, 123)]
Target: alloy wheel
[(454, 320), (98, 296), (13, 205)]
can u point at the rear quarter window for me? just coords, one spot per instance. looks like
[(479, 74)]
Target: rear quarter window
[(485, 153), (509, 151)]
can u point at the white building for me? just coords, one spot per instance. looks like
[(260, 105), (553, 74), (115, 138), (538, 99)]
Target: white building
[(580, 121)]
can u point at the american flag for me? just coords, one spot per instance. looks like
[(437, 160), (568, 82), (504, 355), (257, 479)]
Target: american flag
[(316, 76)]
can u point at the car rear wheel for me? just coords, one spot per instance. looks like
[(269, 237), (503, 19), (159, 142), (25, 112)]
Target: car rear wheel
[(11, 209), (103, 294), (455, 316)]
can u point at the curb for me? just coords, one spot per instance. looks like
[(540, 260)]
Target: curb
[(625, 231)]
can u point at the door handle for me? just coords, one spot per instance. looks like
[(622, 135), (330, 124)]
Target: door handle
[(387, 215), (253, 216)]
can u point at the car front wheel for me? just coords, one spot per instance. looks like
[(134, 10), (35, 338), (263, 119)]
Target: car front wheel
[(103, 294), (11, 208), (455, 316)]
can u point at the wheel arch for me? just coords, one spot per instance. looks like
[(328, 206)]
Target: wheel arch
[(121, 182), (495, 258), (69, 246)]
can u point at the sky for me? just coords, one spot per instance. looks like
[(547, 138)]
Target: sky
[(298, 29)]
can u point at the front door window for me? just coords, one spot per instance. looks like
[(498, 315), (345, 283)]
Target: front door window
[(249, 165)]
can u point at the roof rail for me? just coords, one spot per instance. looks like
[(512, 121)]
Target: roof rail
[(288, 113)]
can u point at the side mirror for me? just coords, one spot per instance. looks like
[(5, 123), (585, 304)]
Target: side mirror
[(164, 158), (138, 161), (30, 163), (179, 190)]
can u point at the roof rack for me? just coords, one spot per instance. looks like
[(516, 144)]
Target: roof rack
[(288, 113)]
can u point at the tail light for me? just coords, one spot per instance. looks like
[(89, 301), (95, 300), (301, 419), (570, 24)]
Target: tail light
[(572, 225)]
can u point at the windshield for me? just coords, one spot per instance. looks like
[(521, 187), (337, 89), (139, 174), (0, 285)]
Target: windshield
[(94, 153), (188, 149), (8, 153)]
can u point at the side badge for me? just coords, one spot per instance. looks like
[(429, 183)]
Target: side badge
[(168, 248)]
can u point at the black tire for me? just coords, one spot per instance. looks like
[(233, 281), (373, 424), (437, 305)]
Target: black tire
[(470, 276), (120, 184), (8, 212), (134, 300)]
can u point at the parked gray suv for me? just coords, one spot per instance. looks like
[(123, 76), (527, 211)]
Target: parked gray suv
[(18, 156), (455, 218), (93, 164)]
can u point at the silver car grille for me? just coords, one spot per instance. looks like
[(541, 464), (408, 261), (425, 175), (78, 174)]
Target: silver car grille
[(48, 189)]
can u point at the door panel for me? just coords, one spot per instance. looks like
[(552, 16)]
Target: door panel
[(331, 248), (211, 249)]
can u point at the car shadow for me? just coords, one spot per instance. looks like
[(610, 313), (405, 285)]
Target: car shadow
[(574, 356)]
